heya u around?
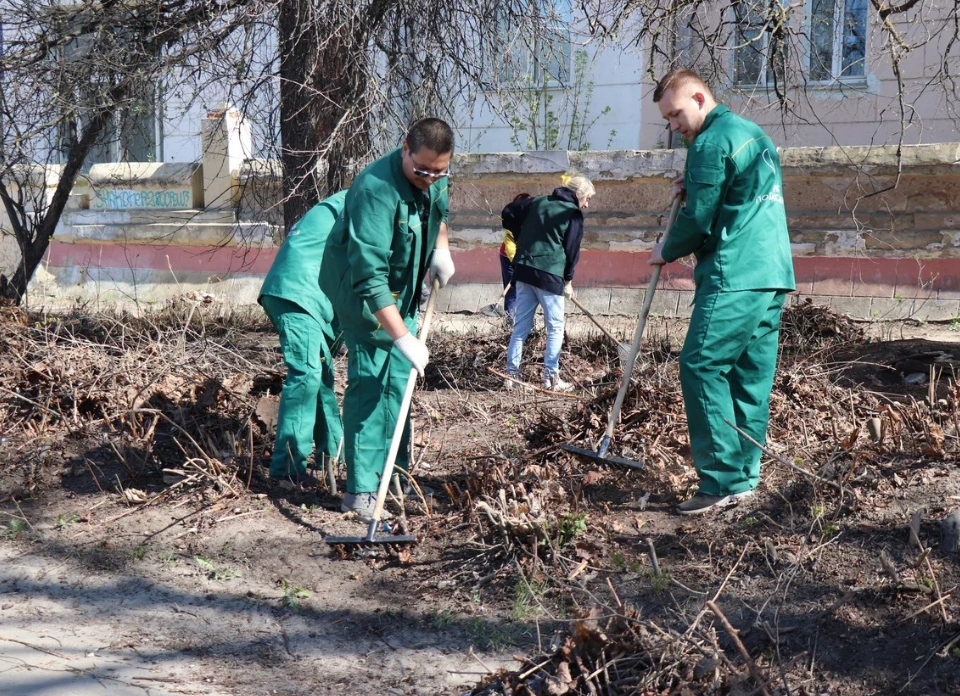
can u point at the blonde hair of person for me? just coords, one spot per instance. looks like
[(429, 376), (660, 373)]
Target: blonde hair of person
[(581, 186)]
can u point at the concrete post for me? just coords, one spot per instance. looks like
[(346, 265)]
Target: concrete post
[(226, 142)]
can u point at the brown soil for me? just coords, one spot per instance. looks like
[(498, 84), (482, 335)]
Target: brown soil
[(144, 551)]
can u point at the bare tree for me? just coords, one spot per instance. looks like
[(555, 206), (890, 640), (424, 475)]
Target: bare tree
[(330, 83), (74, 76), (351, 76)]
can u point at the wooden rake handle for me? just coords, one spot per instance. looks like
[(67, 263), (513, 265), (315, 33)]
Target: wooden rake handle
[(402, 415), (641, 325)]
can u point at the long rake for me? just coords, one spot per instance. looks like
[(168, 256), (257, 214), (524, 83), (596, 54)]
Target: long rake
[(371, 539), (601, 453)]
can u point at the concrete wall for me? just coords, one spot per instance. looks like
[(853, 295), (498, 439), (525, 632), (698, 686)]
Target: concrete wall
[(860, 248), (860, 244)]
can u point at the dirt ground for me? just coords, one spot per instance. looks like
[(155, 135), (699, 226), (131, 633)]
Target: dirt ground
[(144, 552)]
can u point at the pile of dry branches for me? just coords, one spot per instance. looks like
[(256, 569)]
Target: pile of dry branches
[(611, 650), (171, 393), (808, 327)]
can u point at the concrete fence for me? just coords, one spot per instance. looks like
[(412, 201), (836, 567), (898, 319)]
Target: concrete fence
[(875, 234)]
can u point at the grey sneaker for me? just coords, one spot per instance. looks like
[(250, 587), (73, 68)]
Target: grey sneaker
[(512, 385), (554, 383), (701, 503), (362, 505)]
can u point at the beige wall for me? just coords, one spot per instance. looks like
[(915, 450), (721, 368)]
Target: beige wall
[(860, 244)]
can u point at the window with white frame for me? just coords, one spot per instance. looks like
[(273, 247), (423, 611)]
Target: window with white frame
[(838, 39), (134, 133), (759, 58), (536, 51)]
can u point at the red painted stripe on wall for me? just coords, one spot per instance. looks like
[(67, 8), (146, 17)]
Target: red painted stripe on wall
[(199, 259), (838, 276)]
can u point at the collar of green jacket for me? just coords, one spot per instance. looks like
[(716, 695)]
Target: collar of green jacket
[(404, 188), (715, 113)]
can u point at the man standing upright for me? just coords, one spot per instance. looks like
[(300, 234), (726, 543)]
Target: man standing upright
[(392, 230), (734, 223)]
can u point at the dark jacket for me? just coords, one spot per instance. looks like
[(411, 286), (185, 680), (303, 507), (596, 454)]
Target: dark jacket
[(549, 231)]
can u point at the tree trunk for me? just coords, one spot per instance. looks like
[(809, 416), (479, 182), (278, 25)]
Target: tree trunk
[(323, 126)]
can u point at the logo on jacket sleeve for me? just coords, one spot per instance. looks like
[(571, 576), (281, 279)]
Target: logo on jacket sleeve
[(774, 194)]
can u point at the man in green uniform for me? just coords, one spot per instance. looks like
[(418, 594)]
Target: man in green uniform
[(302, 315), (393, 229), (735, 223)]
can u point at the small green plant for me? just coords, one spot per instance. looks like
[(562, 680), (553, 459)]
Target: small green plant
[(955, 652), (954, 324), (492, 635), (442, 618), (213, 571), (618, 561), (16, 527), (526, 600), (292, 595), (571, 526), (167, 556), (749, 521), (138, 553), (830, 531), (659, 582), (63, 521)]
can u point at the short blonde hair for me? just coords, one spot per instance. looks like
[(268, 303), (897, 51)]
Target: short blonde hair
[(581, 186)]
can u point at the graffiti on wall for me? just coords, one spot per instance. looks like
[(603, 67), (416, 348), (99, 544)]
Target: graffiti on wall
[(124, 199)]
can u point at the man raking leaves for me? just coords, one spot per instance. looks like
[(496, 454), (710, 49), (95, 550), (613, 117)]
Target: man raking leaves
[(735, 224)]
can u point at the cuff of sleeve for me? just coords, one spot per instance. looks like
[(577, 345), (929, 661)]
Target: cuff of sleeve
[(379, 299)]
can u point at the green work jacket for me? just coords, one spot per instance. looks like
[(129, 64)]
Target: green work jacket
[(377, 252), (295, 273), (543, 242), (734, 220)]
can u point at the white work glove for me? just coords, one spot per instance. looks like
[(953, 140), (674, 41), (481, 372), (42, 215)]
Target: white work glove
[(441, 265), (414, 350), (568, 289)]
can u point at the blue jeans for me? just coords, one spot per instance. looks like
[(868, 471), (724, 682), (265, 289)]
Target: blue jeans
[(528, 299), (506, 273)]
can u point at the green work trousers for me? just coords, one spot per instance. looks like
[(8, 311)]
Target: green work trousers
[(726, 372), (376, 381), (309, 412)]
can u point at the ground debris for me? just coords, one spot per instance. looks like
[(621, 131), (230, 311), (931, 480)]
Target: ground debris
[(615, 654), (807, 327)]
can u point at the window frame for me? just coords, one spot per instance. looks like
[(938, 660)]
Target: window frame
[(836, 69), (532, 59), (741, 42)]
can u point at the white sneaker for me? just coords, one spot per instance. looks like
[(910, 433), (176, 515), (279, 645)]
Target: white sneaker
[(556, 384)]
